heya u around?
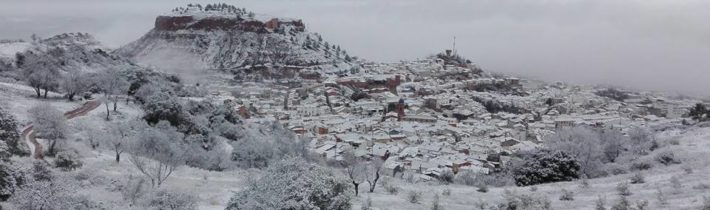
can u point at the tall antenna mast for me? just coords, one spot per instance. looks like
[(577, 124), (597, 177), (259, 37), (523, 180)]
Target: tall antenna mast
[(454, 48)]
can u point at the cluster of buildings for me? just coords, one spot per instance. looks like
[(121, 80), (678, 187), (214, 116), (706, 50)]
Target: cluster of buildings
[(427, 117)]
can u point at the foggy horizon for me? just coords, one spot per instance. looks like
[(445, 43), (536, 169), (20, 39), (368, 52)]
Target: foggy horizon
[(645, 45)]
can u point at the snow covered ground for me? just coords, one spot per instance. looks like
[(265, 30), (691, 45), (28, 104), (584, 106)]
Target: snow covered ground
[(9, 49), (214, 189), (693, 150)]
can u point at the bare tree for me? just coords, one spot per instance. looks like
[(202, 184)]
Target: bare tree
[(613, 142), (49, 123), (355, 170), (581, 143), (372, 172), (112, 84), (156, 153), (118, 136)]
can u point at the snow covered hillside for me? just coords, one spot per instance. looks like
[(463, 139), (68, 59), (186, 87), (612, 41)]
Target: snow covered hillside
[(224, 37)]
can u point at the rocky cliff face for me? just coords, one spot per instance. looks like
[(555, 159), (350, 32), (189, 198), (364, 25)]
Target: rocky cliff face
[(226, 38), (176, 23)]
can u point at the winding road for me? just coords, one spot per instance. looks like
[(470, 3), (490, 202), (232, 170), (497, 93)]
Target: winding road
[(29, 134)]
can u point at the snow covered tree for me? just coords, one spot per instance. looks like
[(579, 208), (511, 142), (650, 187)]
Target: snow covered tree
[(50, 195), (68, 160), (163, 106), (49, 123), (9, 133), (252, 152), (74, 82), (294, 184), (157, 151), (9, 179), (41, 74), (545, 166), (112, 84), (699, 112), (256, 150)]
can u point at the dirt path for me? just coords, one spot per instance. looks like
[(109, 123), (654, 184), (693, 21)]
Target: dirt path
[(29, 134)]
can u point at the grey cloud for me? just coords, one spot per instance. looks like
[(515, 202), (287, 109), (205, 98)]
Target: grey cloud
[(652, 44)]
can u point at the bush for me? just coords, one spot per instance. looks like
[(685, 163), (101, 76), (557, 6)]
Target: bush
[(482, 188), (622, 204), (513, 200), (623, 189), (68, 160), (4, 151), (40, 172), (706, 204), (435, 204), (600, 203), (468, 178), (481, 205), (666, 157), (10, 178), (49, 195), (675, 183), (567, 195), (294, 184), (641, 165), (414, 196), (446, 192), (391, 189), (687, 169), (615, 169), (701, 186), (662, 200), (546, 166), (163, 199), (446, 177), (637, 178), (584, 184)]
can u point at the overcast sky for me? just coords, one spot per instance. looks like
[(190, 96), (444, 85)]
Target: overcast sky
[(644, 44)]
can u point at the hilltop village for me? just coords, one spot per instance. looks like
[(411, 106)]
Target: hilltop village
[(438, 114)]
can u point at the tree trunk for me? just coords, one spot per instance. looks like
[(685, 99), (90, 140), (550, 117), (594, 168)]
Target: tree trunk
[(356, 187), (51, 147), (39, 92), (45, 93), (70, 96), (374, 183), (118, 157), (107, 111)]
